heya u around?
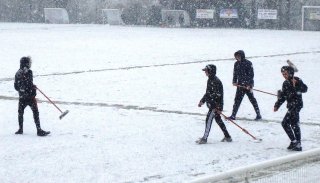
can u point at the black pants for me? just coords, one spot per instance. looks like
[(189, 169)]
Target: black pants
[(211, 114), (23, 103), (238, 99), (291, 124)]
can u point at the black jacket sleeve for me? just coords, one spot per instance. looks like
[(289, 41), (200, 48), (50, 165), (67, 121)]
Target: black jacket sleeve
[(282, 98), (251, 74), (16, 83), (235, 73), (300, 86), (292, 94), (23, 83), (219, 96), (214, 94)]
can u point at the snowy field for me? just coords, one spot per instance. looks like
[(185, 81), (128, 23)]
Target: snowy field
[(133, 92)]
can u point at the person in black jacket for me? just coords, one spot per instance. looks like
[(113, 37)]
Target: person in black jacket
[(214, 99), (292, 89), (23, 83), (243, 78)]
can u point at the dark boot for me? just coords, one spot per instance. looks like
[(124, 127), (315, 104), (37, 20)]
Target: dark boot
[(232, 117), (20, 131), (258, 117), (297, 147), (292, 145), (42, 133), (201, 141), (226, 139)]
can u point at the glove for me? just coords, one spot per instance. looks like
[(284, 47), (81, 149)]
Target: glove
[(279, 94), (218, 110), (200, 104)]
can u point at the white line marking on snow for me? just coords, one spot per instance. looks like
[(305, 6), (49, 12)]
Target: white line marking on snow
[(147, 108), (162, 65)]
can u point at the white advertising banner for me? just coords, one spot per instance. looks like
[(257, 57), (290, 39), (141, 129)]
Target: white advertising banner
[(267, 14), (205, 13), (229, 13), (315, 15), (56, 16)]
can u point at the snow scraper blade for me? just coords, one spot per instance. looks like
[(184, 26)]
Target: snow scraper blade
[(292, 65), (257, 140), (64, 114)]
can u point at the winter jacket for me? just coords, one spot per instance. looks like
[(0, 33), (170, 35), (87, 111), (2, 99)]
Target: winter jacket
[(243, 71), (214, 93), (293, 94), (23, 83)]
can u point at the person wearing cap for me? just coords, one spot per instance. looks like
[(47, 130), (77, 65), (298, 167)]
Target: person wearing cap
[(292, 89), (243, 76), (23, 83), (214, 100)]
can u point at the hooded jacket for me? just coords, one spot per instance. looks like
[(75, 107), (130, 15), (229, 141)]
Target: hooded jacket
[(23, 81), (293, 94), (214, 92), (243, 71)]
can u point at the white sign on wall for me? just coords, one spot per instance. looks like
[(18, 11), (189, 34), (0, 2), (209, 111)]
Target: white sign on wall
[(205, 13), (56, 16), (229, 13), (315, 15), (267, 14)]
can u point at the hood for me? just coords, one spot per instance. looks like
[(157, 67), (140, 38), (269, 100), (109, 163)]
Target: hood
[(212, 69), (241, 53), (289, 69), (25, 62)]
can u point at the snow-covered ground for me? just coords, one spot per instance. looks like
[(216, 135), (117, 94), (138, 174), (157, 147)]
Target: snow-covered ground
[(133, 92)]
